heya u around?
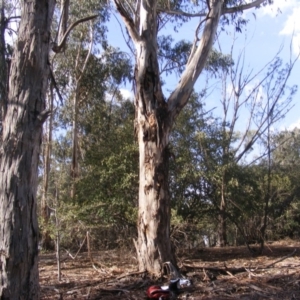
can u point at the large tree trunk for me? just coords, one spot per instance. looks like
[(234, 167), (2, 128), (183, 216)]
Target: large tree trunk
[(154, 245), (152, 125), (22, 128)]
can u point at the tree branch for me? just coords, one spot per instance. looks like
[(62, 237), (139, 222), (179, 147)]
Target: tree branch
[(182, 13), (128, 21), (231, 10), (182, 92), (57, 48)]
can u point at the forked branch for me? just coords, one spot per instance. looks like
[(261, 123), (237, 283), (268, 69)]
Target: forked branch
[(57, 48)]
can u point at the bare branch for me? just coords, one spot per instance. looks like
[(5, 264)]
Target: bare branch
[(57, 48), (235, 9), (125, 39), (182, 92), (182, 13), (89, 52), (12, 18), (129, 23)]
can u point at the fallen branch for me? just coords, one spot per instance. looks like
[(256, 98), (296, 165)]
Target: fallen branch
[(281, 259), (131, 274), (69, 253), (114, 290), (222, 270), (225, 270)]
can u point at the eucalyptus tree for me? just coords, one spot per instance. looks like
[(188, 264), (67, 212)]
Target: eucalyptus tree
[(23, 116), (98, 100), (76, 31), (155, 114), (82, 41)]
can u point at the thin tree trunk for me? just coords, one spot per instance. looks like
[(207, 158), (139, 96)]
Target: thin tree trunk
[(74, 165), (222, 228), (22, 132), (46, 238), (268, 191), (75, 146), (57, 224)]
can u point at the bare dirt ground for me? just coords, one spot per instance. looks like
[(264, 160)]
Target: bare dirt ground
[(216, 273)]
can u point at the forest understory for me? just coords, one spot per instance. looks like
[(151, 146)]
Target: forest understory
[(215, 273)]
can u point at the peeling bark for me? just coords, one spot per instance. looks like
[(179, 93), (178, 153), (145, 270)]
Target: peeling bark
[(152, 121)]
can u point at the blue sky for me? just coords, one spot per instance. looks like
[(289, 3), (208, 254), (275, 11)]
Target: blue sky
[(265, 33), (270, 31)]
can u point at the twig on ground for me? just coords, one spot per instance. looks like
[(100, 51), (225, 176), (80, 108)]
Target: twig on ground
[(225, 269), (131, 274), (281, 259)]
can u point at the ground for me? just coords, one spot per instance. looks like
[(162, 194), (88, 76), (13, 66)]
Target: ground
[(216, 273)]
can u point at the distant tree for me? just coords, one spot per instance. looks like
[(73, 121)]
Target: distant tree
[(262, 101), (104, 130), (212, 154), (107, 185), (285, 205), (75, 36)]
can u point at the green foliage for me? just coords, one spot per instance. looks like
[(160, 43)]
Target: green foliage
[(218, 61), (107, 187), (110, 166), (285, 204)]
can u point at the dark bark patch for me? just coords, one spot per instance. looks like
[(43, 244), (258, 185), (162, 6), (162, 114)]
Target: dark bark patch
[(150, 129), (147, 188)]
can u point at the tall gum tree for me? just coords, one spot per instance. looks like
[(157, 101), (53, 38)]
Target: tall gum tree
[(155, 114), (23, 116)]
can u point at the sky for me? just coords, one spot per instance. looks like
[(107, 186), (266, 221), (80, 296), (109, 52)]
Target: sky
[(269, 29)]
